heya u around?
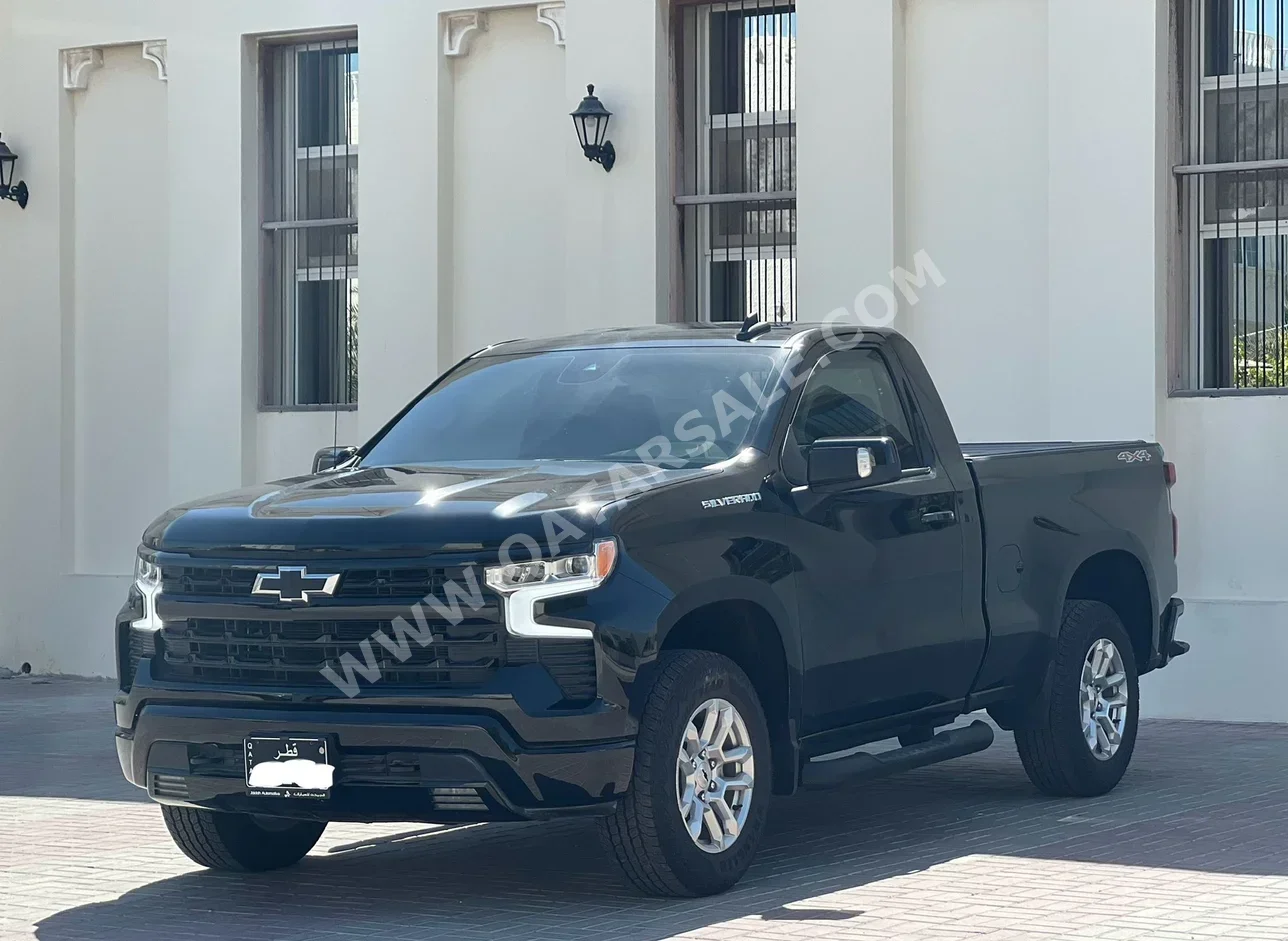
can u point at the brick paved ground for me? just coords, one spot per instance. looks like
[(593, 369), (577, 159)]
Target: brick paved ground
[(1193, 844)]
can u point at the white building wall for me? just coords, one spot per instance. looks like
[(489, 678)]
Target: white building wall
[(977, 193), (987, 134), (849, 160), (508, 201), (1229, 453), (129, 317), (117, 312)]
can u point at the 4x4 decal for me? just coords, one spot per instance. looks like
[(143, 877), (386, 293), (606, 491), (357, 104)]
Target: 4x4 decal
[(1131, 457)]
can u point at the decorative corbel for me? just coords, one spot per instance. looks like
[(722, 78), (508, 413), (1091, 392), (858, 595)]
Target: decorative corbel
[(155, 52), (459, 30), (552, 14), (77, 66)]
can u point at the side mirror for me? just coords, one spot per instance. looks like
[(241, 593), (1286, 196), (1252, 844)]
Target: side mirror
[(329, 458), (853, 462)]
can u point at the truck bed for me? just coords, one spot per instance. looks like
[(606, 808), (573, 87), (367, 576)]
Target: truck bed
[(1044, 505)]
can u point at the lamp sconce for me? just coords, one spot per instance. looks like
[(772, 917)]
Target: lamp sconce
[(8, 189), (591, 120)]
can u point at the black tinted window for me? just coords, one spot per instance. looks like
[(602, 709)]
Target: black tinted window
[(850, 395), (599, 405)]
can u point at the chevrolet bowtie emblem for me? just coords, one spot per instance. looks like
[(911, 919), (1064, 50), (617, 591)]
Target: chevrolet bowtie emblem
[(294, 583)]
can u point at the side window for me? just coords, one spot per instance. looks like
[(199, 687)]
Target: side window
[(849, 395)]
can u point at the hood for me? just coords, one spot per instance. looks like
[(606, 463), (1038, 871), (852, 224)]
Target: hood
[(410, 510)]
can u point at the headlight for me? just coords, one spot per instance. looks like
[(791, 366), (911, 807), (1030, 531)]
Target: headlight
[(525, 583), (147, 573), (147, 577), (591, 568)]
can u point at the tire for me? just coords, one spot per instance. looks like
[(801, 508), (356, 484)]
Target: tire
[(1056, 752), (647, 832), (240, 842)]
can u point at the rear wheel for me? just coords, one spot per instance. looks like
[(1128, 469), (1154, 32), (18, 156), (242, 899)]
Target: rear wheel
[(694, 815), (1082, 745), (240, 842)]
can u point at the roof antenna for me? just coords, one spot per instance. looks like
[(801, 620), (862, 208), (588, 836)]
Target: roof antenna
[(752, 328)]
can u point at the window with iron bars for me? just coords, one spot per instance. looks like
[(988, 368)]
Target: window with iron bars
[(309, 337), (737, 176), (1235, 197)]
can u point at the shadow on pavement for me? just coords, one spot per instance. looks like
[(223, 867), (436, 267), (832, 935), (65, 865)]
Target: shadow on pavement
[(1200, 796)]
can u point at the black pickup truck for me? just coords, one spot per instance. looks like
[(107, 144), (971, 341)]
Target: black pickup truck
[(653, 575)]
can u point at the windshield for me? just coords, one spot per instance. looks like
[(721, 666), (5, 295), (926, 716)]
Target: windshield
[(693, 405)]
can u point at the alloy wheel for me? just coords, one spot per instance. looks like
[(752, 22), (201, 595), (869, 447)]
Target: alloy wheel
[(1104, 699), (715, 773)]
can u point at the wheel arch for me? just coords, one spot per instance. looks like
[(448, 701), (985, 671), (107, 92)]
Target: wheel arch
[(1114, 572), (751, 633), (1118, 578)]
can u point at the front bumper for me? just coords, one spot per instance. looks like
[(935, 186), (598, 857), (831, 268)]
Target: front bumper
[(391, 765)]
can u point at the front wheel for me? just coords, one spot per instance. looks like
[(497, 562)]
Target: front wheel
[(698, 801), (1082, 745), (240, 842)]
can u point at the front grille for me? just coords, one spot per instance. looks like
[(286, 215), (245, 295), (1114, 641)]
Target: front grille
[(295, 653), (283, 651), (355, 584)]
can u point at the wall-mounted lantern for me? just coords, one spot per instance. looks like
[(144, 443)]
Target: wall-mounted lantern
[(591, 120), (8, 189)]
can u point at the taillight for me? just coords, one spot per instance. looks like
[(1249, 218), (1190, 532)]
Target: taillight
[(1169, 472)]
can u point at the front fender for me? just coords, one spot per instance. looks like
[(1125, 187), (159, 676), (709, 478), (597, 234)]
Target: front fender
[(733, 588)]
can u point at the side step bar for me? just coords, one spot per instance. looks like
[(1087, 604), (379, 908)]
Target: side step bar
[(951, 743)]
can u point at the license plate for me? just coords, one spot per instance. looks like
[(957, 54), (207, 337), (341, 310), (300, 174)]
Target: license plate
[(288, 766)]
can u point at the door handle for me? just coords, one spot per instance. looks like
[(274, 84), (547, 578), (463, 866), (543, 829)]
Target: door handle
[(938, 518)]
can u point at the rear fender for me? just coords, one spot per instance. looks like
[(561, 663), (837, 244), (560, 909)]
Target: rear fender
[(1032, 710)]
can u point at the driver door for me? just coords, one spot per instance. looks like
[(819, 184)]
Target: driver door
[(880, 579)]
